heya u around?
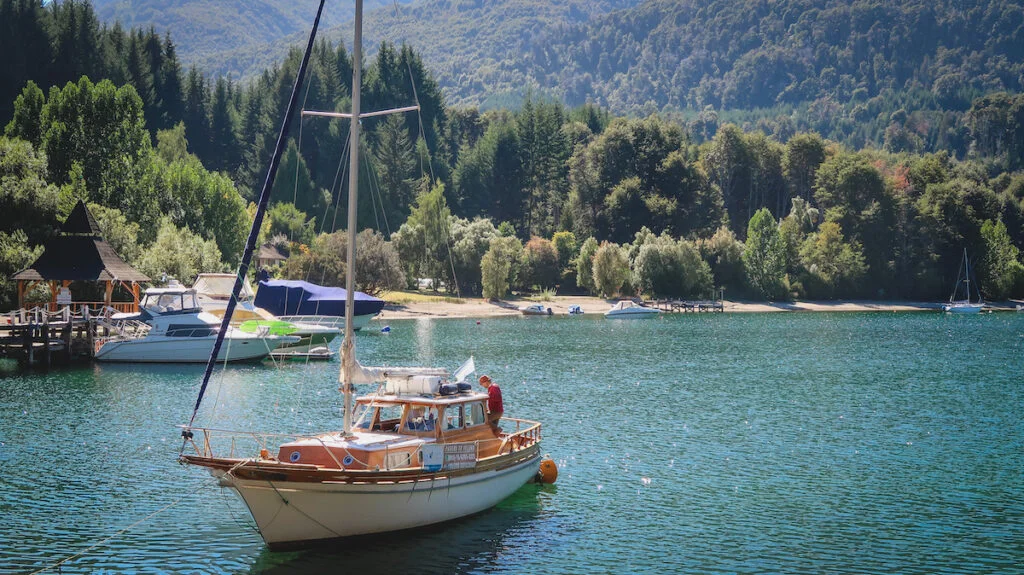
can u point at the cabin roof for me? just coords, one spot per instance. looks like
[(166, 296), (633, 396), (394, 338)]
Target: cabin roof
[(175, 290), (79, 252)]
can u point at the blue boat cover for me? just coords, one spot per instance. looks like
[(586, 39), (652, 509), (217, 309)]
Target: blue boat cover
[(291, 297)]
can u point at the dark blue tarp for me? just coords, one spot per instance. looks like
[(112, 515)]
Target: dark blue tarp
[(289, 297)]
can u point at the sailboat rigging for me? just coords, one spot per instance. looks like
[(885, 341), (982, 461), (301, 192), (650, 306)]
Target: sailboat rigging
[(966, 305), (422, 451)]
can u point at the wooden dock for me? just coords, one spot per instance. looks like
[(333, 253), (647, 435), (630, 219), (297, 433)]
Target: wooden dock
[(41, 338), (686, 306)]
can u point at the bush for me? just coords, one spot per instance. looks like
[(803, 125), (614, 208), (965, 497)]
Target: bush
[(585, 265), (665, 267), (494, 272), (611, 269), (540, 264), (724, 255), (764, 256), (510, 250), (378, 267), (179, 253), (565, 245)]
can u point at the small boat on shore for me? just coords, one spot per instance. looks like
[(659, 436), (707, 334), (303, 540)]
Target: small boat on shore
[(535, 309), (967, 304), (575, 310), (628, 309), (171, 328)]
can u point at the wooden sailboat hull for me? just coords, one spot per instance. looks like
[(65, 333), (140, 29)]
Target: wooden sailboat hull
[(293, 513)]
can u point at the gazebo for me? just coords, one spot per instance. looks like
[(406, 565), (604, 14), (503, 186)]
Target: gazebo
[(79, 253)]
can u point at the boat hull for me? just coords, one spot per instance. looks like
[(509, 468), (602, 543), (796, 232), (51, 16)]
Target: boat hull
[(291, 514), (185, 350), (308, 342), (962, 308), (632, 314), (335, 321)]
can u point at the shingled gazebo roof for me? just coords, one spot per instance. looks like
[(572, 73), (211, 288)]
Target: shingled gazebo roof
[(79, 252)]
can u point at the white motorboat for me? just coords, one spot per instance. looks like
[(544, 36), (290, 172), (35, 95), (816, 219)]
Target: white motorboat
[(967, 304), (629, 309), (535, 309), (213, 291), (575, 310), (421, 451), (171, 328)]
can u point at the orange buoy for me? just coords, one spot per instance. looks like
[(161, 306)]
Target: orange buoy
[(548, 472)]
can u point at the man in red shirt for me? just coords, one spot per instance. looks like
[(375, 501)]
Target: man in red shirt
[(494, 404)]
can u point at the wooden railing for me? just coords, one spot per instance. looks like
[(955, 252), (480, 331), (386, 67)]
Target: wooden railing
[(95, 307)]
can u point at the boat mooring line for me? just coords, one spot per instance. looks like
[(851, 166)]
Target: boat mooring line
[(108, 539), (124, 530)]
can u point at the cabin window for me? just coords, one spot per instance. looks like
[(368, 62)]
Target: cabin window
[(421, 418), (453, 417), (475, 414), (398, 460), (380, 418)]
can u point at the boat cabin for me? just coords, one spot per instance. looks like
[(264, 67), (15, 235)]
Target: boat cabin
[(160, 301), (391, 430)]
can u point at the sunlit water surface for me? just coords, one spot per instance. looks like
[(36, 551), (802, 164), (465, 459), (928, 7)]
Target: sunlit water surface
[(732, 443)]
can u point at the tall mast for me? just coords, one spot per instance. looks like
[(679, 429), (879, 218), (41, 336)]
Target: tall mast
[(261, 209), (348, 352), (967, 275)]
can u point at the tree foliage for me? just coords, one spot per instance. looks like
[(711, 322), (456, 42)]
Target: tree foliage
[(763, 255), (611, 269)]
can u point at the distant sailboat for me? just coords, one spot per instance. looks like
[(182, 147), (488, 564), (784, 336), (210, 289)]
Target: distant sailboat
[(966, 305)]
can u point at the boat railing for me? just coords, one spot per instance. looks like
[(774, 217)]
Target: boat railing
[(240, 443), (526, 434)]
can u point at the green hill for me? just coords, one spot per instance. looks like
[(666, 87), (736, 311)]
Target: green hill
[(754, 54), (205, 30)]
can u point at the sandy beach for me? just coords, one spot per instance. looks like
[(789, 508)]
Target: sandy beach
[(440, 307)]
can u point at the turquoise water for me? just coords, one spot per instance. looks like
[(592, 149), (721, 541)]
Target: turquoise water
[(727, 443)]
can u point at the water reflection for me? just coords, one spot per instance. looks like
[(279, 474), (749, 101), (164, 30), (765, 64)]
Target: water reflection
[(470, 544)]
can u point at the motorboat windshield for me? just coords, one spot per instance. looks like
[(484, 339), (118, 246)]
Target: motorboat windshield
[(164, 300)]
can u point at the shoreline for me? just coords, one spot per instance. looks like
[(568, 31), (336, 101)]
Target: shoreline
[(480, 308)]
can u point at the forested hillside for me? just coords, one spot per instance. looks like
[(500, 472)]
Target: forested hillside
[(208, 30), (463, 41), (862, 72), (840, 67), (542, 196)]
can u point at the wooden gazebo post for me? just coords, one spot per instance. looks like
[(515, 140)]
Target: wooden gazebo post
[(108, 293)]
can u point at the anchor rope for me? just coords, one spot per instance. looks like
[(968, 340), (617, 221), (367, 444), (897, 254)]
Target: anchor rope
[(117, 533)]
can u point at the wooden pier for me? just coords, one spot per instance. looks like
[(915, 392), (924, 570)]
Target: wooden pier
[(41, 338), (686, 306)]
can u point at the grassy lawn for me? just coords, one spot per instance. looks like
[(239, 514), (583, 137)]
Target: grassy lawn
[(404, 297)]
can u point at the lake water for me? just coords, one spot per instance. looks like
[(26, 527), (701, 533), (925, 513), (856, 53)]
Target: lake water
[(727, 443)]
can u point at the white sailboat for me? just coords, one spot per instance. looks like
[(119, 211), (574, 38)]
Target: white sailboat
[(966, 305), (419, 452)]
